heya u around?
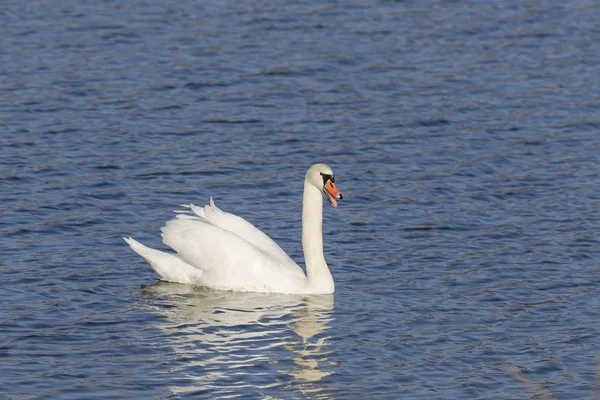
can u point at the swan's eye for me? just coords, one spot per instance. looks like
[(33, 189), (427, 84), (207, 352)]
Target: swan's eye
[(327, 177)]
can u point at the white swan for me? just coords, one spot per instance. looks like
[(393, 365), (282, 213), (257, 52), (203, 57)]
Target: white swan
[(220, 250)]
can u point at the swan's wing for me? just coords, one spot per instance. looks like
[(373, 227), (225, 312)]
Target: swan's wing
[(238, 225), (229, 261)]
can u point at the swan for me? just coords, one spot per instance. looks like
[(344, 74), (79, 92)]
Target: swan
[(220, 250)]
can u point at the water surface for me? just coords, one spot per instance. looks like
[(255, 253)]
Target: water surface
[(464, 136)]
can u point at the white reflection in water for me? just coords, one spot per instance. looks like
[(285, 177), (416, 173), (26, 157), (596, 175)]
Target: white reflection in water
[(231, 341)]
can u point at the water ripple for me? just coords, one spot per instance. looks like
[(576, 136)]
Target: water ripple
[(463, 135)]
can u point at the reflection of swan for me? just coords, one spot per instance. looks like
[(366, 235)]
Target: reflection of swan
[(312, 323), (230, 341), (223, 251)]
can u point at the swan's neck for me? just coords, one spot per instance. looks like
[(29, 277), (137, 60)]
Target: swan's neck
[(318, 277)]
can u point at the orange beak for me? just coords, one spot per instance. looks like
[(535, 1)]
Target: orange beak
[(332, 193)]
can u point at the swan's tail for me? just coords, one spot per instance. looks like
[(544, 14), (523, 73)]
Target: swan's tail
[(169, 267)]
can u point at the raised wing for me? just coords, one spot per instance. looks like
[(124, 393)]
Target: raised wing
[(228, 260), (237, 225)]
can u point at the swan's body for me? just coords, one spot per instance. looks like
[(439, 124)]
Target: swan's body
[(220, 250)]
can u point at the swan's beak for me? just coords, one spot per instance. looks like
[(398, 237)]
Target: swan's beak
[(332, 193)]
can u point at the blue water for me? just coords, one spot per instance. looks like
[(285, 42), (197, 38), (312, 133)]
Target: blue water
[(464, 136)]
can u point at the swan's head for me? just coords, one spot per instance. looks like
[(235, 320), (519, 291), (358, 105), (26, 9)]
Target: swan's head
[(321, 176)]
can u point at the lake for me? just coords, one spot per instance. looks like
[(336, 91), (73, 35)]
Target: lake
[(463, 135)]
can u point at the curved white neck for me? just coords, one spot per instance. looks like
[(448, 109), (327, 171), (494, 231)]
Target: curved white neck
[(318, 277)]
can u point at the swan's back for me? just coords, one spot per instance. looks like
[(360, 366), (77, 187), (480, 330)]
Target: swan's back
[(238, 258), (238, 225)]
